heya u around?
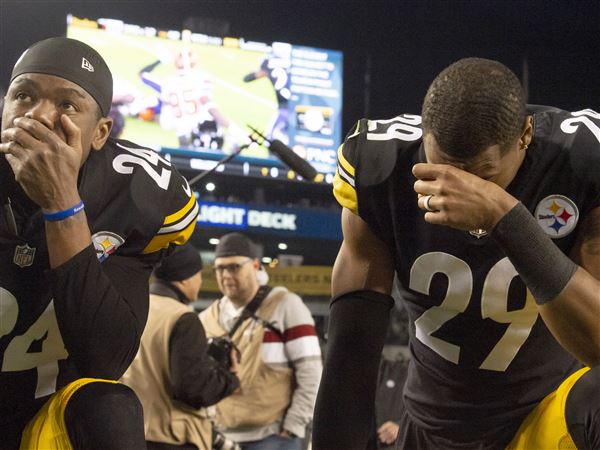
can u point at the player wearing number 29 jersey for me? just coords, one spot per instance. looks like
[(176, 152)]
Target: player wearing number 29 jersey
[(482, 356)]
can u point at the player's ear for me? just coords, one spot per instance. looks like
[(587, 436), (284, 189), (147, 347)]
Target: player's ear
[(102, 132), (527, 132)]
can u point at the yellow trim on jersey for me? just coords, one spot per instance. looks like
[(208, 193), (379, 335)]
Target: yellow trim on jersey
[(344, 162), (344, 193), (356, 131), (546, 426), (163, 240), (181, 213), (182, 223), (343, 185), (47, 430), (177, 228)]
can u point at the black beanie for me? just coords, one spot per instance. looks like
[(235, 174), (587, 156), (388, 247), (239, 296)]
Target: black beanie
[(236, 244), (72, 60), (181, 264)]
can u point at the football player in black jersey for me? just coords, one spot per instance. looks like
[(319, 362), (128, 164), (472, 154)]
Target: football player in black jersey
[(488, 211), (276, 67), (84, 219)]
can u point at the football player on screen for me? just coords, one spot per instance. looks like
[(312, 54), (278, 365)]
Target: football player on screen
[(488, 211), (186, 101), (276, 67), (84, 219)]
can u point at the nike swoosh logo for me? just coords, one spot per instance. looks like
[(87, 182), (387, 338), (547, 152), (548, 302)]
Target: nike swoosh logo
[(187, 189)]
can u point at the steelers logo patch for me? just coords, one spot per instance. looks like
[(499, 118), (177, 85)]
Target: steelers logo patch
[(106, 243), (557, 215)]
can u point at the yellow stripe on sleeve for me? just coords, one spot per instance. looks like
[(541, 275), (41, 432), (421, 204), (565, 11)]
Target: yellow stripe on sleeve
[(163, 240), (344, 162), (344, 193), (181, 213)]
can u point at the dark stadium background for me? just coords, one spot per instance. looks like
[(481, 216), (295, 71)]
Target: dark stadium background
[(392, 50)]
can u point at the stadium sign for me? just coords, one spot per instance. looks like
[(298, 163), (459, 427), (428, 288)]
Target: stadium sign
[(284, 221)]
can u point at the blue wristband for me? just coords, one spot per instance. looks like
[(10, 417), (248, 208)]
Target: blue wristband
[(60, 215)]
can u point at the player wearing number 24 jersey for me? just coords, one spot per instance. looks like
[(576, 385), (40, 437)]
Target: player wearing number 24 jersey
[(74, 281), (483, 356), (136, 205)]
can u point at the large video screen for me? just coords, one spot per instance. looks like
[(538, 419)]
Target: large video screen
[(195, 95)]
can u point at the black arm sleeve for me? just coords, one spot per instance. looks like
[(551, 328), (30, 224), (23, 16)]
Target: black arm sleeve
[(101, 311), (196, 379), (345, 408)]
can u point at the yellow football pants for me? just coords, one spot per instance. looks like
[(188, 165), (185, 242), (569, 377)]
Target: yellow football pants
[(545, 428), (47, 430)]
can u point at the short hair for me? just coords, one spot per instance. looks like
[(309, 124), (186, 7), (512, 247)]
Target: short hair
[(472, 104)]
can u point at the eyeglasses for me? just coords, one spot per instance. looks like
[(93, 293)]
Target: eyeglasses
[(231, 268)]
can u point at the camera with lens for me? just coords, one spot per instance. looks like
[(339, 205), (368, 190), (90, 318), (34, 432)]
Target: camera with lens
[(220, 349), (220, 442)]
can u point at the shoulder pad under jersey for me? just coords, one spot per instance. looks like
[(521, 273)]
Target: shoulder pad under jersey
[(369, 152), (134, 192), (577, 133)]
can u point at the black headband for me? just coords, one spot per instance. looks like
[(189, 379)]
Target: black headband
[(72, 60)]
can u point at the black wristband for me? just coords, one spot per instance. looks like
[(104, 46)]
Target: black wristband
[(544, 268)]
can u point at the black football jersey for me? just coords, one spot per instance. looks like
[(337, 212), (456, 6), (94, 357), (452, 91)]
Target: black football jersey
[(483, 357), (277, 69), (137, 205)]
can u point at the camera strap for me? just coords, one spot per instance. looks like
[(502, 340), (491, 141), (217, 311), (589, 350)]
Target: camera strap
[(251, 308)]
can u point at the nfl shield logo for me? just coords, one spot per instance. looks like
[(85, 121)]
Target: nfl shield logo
[(24, 255)]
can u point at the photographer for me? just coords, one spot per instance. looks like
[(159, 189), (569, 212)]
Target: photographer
[(172, 374), (280, 353)]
